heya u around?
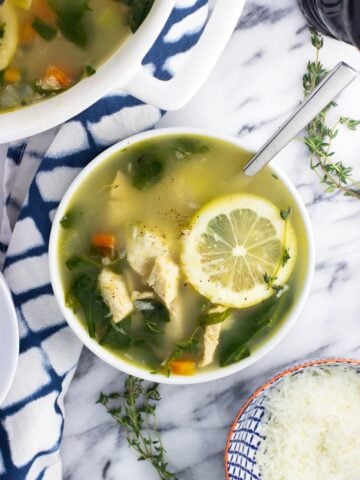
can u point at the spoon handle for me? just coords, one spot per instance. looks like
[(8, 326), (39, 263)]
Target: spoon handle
[(334, 82)]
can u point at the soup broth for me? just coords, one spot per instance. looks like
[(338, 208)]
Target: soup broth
[(46, 46), (131, 218)]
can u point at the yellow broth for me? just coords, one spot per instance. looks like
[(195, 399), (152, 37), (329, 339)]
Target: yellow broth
[(166, 208)]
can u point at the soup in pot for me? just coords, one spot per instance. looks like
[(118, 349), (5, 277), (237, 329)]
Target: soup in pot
[(177, 262), (47, 46)]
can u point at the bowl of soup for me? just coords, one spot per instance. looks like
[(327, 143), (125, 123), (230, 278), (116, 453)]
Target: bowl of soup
[(58, 57), (170, 264)]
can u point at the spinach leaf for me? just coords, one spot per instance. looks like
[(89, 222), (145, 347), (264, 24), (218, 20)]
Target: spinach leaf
[(70, 15), (2, 29), (183, 147), (69, 219), (142, 349), (214, 318), (83, 261), (85, 290), (153, 310), (155, 314), (233, 343), (147, 170), (191, 346), (139, 10), (117, 337), (89, 71), (44, 29)]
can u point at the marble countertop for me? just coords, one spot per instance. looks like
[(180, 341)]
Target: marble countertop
[(253, 88)]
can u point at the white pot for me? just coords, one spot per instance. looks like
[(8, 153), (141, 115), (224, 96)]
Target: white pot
[(124, 70), (117, 362)]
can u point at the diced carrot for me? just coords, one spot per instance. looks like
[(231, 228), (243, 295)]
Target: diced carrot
[(56, 78), (27, 34), (12, 75), (183, 367), (103, 240), (41, 9)]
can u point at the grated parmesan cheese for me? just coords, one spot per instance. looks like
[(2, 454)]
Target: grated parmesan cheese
[(312, 427)]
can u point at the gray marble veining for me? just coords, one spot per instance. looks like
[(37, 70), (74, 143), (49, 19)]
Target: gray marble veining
[(253, 88)]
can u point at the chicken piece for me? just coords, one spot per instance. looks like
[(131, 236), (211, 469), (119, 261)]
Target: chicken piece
[(115, 294), (143, 247), (120, 186), (122, 201), (142, 295), (210, 343), (164, 279), (211, 338)]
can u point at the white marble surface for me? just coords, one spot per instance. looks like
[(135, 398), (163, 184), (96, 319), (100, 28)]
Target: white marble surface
[(253, 88)]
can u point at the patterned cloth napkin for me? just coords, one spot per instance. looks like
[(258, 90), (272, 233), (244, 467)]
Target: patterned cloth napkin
[(33, 178)]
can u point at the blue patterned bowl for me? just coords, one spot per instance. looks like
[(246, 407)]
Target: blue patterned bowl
[(245, 435)]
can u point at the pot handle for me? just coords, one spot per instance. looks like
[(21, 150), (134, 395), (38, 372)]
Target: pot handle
[(175, 93)]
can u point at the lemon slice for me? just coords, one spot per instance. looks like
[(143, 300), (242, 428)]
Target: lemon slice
[(230, 245), (9, 34)]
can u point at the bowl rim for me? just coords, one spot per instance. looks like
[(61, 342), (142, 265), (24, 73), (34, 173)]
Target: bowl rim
[(14, 341), (117, 362), (278, 376)]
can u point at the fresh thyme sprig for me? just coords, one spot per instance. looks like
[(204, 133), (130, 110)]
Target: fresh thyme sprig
[(334, 174), (135, 411), (285, 257)]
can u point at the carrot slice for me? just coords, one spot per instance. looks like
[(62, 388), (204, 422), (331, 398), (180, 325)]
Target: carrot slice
[(57, 78), (42, 10), (183, 367), (103, 240), (12, 75), (27, 34)]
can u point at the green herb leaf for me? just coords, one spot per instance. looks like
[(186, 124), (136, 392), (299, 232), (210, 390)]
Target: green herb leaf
[(285, 257), (96, 313), (155, 314), (83, 261), (70, 15), (214, 318), (233, 343), (138, 11), (134, 410), (143, 349), (285, 214), (44, 29), (68, 220), (191, 346), (183, 147), (2, 30), (153, 310), (349, 123), (269, 279), (334, 174), (116, 337), (147, 170), (89, 70)]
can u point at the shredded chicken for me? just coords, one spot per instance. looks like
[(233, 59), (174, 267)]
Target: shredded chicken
[(115, 294)]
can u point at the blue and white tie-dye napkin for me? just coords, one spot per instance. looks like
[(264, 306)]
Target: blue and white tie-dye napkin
[(34, 175)]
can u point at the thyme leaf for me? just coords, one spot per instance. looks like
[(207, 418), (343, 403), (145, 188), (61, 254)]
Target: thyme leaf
[(134, 410), (334, 174)]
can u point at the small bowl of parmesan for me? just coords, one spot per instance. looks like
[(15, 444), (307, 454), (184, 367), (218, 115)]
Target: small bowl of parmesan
[(303, 424)]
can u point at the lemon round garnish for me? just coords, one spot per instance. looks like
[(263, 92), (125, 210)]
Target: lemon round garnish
[(232, 243)]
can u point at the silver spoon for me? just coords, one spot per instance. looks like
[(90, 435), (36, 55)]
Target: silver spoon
[(334, 82)]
